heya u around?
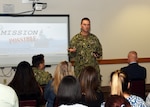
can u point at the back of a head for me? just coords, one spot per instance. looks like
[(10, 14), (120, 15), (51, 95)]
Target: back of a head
[(64, 68), (119, 82), (117, 101), (132, 56), (23, 78), (69, 91), (37, 59), (24, 71), (8, 97), (89, 82)]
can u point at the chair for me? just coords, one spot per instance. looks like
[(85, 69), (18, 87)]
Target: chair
[(137, 87), (28, 103)]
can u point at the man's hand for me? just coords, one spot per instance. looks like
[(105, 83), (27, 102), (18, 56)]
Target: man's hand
[(96, 55)]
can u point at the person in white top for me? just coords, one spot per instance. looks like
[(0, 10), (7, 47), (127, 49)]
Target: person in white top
[(73, 105), (8, 97)]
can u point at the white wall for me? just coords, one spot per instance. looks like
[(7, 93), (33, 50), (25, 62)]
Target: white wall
[(121, 26)]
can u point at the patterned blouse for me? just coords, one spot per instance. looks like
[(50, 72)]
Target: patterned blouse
[(136, 101)]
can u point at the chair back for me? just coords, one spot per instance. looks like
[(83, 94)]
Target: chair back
[(28, 103), (137, 87)]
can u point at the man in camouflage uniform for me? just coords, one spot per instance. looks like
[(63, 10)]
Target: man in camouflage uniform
[(85, 48), (38, 63)]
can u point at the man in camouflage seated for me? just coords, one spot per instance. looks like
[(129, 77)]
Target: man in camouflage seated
[(38, 65)]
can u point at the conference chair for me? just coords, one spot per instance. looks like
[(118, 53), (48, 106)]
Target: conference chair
[(28, 103), (137, 87)]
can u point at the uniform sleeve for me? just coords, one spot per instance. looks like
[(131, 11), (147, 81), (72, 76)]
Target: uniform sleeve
[(98, 47), (72, 44), (46, 77)]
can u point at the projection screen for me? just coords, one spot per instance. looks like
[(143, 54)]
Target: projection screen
[(22, 36)]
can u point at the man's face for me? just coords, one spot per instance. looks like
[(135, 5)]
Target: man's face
[(85, 26), (42, 65)]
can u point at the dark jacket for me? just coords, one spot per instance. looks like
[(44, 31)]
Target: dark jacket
[(135, 71)]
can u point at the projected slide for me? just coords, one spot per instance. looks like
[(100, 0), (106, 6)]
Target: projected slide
[(20, 41)]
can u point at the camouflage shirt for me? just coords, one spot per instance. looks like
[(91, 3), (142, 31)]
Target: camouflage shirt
[(41, 76), (85, 46)]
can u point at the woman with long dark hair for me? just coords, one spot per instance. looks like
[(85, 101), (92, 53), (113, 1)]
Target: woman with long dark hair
[(25, 84), (89, 81), (69, 93)]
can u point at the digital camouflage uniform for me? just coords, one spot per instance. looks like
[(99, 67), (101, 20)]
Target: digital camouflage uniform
[(85, 46), (41, 76)]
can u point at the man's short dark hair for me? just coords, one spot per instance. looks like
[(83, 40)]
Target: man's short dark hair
[(85, 18), (37, 60)]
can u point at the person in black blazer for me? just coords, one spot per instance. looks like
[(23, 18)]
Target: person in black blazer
[(136, 75), (134, 70)]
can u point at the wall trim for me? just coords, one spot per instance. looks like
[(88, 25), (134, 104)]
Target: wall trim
[(119, 61)]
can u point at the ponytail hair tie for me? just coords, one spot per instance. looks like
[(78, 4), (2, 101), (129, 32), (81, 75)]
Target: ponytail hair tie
[(122, 105)]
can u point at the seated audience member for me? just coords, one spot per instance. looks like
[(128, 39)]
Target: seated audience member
[(8, 97), (117, 101), (24, 83), (119, 86), (136, 75), (64, 68), (38, 66), (69, 92), (91, 95), (134, 70), (148, 100)]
